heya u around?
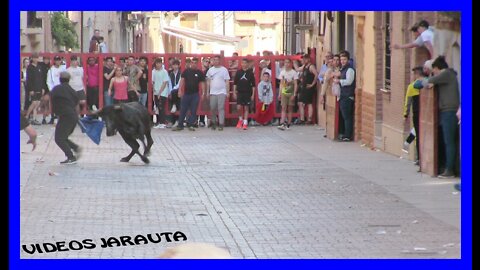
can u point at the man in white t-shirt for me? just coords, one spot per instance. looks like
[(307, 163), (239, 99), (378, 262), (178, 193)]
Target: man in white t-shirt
[(288, 91), (218, 82), (161, 90), (76, 80), (423, 37)]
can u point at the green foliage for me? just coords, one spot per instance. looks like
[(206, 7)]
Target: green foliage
[(63, 31)]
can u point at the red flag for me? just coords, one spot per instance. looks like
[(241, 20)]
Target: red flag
[(264, 113)]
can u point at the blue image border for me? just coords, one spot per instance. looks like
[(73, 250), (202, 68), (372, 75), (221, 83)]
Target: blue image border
[(385, 264)]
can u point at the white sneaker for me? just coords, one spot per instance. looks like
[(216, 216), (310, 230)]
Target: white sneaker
[(406, 147), (94, 107), (162, 126), (174, 108), (176, 124)]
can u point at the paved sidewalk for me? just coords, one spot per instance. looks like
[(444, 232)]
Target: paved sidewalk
[(261, 193)]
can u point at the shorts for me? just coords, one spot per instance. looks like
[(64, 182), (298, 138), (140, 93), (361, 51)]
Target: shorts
[(286, 101), (37, 96), (81, 95), (23, 122), (244, 99), (306, 95)]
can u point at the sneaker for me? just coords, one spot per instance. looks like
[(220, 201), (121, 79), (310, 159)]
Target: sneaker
[(174, 109), (191, 128), (447, 174), (44, 121), (177, 128), (416, 163), (220, 128), (52, 121), (202, 124), (346, 139), (406, 147), (69, 161), (160, 126), (282, 127), (35, 122), (245, 126), (175, 124), (240, 123)]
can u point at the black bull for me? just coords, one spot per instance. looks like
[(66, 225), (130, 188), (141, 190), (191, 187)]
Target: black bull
[(133, 122)]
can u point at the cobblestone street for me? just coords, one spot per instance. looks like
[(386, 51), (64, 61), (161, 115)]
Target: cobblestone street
[(261, 193)]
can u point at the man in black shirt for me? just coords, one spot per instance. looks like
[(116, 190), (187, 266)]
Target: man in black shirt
[(108, 73), (64, 103), (143, 81), (243, 92), (35, 85), (191, 81)]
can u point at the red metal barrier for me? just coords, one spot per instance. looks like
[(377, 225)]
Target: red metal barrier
[(230, 106)]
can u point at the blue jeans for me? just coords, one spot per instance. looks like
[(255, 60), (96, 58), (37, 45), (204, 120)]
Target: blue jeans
[(449, 122), (143, 99), (189, 102), (346, 109), (107, 100)]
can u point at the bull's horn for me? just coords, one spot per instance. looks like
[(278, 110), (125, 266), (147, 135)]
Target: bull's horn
[(96, 112)]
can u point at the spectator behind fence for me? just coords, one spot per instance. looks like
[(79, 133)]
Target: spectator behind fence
[(175, 75), (218, 88), (134, 73), (23, 74), (119, 85), (265, 96), (307, 90), (191, 82), (34, 87), (243, 92), (161, 91), (143, 81), (288, 92), (108, 73), (76, 81), (53, 79), (423, 37), (93, 73), (445, 80)]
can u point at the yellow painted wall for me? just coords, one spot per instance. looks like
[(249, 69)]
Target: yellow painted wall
[(369, 76)]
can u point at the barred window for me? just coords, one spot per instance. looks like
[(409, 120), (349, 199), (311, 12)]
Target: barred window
[(388, 53)]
